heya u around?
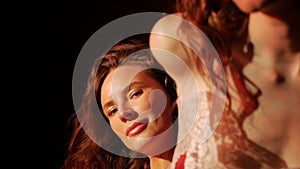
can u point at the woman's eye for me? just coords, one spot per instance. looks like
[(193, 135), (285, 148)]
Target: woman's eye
[(112, 111), (135, 94)]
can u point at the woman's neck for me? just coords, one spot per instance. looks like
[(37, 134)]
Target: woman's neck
[(162, 161)]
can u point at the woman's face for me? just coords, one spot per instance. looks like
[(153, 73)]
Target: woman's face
[(137, 107)]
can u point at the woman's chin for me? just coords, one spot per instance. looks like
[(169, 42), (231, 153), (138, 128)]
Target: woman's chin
[(151, 146)]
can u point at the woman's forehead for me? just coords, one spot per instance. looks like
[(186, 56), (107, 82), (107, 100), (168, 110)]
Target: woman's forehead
[(119, 80)]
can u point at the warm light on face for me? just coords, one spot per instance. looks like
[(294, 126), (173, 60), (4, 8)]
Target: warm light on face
[(137, 108)]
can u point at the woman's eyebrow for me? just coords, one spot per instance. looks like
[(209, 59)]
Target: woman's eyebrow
[(132, 84), (108, 104)]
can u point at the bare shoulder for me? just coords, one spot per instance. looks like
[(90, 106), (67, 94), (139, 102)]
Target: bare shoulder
[(168, 24), (180, 36), (164, 32)]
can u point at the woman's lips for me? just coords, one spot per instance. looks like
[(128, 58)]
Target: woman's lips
[(135, 128)]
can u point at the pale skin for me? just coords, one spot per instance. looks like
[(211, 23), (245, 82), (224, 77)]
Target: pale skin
[(158, 40), (275, 69), (127, 104)]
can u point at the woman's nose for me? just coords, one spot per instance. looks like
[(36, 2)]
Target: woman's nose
[(127, 115)]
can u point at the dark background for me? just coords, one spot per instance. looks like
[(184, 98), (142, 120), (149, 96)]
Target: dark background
[(62, 30)]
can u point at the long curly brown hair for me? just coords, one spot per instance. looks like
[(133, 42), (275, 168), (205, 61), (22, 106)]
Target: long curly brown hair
[(83, 150)]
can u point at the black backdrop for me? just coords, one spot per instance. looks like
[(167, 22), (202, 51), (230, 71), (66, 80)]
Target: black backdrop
[(62, 31)]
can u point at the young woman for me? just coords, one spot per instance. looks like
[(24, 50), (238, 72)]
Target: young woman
[(132, 94), (226, 27)]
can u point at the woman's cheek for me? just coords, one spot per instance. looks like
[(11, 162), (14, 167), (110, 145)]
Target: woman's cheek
[(116, 126), (158, 100), (141, 104)]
